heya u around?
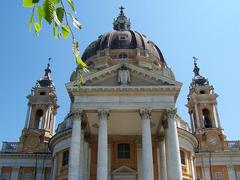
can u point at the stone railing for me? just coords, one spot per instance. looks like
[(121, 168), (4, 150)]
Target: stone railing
[(183, 125), (66, 124), (9, 147), (232, 145)]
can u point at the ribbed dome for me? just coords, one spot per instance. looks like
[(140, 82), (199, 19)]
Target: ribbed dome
[(123, 38)]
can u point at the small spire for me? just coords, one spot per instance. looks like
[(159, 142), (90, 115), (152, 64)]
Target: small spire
[(121, 23)]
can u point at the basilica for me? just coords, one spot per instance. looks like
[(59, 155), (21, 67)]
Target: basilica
[(123, 122)]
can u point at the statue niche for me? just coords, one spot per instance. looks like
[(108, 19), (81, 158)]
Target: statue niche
[(124, 76)]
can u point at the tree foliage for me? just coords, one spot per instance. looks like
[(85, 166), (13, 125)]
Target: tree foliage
[(56, 15)]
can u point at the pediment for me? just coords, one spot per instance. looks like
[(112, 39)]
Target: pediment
[(127, 75), (124, 170)]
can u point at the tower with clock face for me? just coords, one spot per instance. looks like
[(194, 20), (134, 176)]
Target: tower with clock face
[(202, 106)]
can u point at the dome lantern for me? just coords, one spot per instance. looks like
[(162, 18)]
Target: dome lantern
[(122, 23)]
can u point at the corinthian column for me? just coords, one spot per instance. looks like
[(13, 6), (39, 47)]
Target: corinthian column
[(102, 159), (163, 168), (76, 143), (147, 157), (174, 169)]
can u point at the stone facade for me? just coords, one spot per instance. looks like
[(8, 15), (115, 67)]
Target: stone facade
[(123, 122)]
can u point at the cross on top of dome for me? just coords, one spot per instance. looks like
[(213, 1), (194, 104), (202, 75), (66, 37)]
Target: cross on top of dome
[(121, 10), (122, 23)]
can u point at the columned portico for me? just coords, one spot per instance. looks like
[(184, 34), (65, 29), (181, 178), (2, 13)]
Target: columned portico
[(147, 158), (54, 168), (102, 156), (174, 170), (75, 148)]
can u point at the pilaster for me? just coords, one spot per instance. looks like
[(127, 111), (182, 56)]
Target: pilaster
[(231, 172), (15, 173)]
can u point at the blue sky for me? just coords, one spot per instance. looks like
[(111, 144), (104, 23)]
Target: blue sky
[(209, 30)]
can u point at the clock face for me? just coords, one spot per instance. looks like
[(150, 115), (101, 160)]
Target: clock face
[(212, 140)]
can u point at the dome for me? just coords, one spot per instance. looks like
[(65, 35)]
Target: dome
[(123, 43)]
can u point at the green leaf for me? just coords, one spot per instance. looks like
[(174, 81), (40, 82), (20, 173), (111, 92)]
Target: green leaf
[(35, 1), (65, 31), (27, 3), (40, 14), (56, 1), (71, 4), (60, 13), (30, 22), (55, 32), (48, 9), (37, 27), (80, 62)]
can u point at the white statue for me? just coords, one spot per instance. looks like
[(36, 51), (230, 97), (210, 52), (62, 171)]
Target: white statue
[(123, 76)]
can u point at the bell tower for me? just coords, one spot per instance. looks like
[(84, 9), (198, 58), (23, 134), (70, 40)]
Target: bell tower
[(202, 108), (42, 109)]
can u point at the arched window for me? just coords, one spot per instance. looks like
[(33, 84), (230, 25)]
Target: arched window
[(123, 151), (65, 158), (122, 55), (38, 119), (182, 156), (206, 118)]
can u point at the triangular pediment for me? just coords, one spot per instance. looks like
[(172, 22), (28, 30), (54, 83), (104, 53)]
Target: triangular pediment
[(124, 170), (127, 75)]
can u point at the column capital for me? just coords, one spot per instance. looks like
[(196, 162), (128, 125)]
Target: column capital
[(171, 113), (76, 115), (103, 113), (145, 113)]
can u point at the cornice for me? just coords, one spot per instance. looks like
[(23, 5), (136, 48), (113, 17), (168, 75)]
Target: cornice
[(60, 136), (188, 136), (218, 154), (19, 155)]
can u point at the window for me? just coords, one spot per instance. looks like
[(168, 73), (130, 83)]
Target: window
[(206, 118), (122, 56), (238, 175), (122, 37), (124, 151), (42, 93), (27, 176), (182, 155), (65, 158), (5, 176), (38, 119), (219, 176)]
